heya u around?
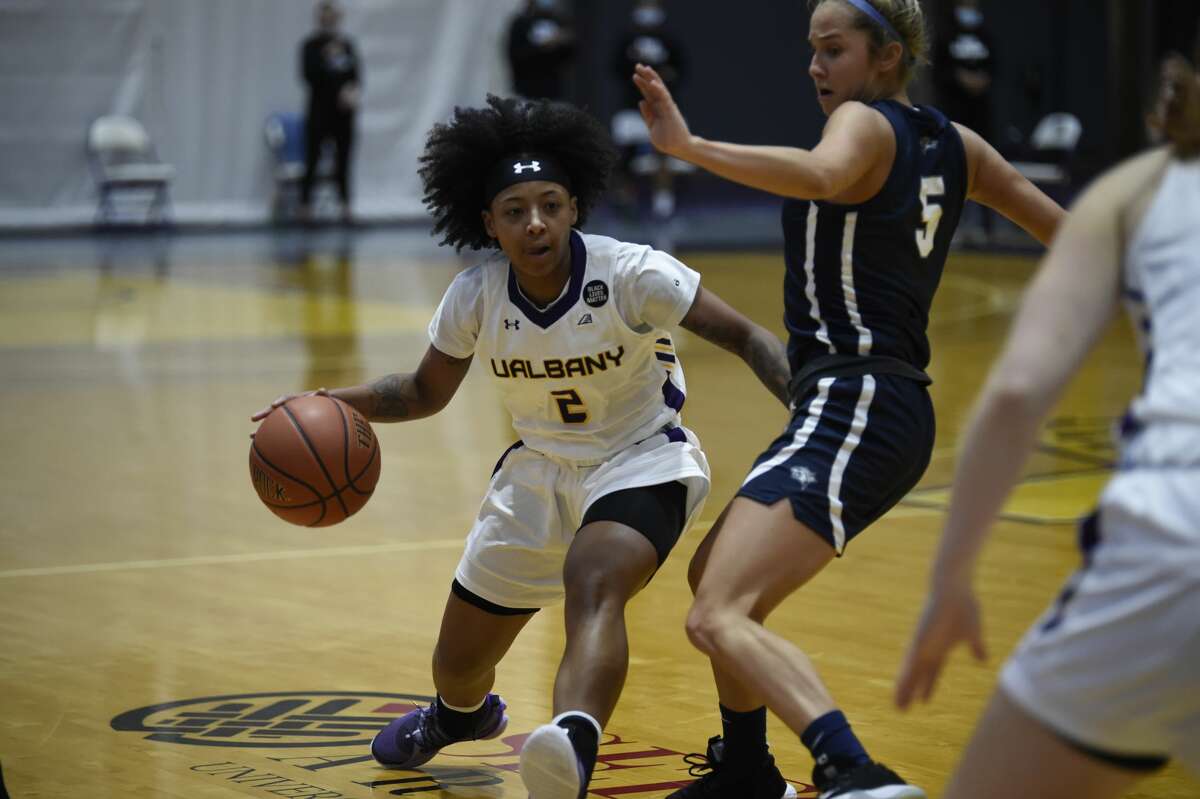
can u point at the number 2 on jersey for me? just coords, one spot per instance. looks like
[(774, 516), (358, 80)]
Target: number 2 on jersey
[(931, 213), (570, 406)]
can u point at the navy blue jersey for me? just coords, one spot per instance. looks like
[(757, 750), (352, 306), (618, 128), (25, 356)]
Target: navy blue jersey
[(860, 278)]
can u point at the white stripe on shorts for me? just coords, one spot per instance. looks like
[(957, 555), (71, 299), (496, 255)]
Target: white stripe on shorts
[(843, 460), (801, 438)]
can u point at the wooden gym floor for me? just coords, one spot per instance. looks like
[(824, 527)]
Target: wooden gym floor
[(165, 636)]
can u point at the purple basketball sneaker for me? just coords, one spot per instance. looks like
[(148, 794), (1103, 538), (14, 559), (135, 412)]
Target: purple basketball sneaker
[(414, 738)]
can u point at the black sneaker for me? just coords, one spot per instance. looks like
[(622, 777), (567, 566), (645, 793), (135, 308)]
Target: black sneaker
[(870, 780), (718, 782)]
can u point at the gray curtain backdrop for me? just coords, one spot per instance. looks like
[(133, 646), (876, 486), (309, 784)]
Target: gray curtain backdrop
[(203, 75)]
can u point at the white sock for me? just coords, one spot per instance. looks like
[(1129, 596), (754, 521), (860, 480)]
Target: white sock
[(561, 716)]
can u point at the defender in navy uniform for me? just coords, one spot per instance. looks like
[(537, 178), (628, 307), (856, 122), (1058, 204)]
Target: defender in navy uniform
[(867, 225)]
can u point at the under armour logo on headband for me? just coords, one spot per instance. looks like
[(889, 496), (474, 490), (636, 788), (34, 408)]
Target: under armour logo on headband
[(523, 166)]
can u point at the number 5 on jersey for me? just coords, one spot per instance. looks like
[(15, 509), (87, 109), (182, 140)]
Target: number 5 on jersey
[(931, 213), (570, 406)]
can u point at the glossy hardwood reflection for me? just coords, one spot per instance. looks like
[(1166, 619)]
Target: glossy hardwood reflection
[(166, 636)]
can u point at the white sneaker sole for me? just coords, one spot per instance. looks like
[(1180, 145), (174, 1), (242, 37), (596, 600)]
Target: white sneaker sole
[(549, 767), (885, 792), (789, 792)]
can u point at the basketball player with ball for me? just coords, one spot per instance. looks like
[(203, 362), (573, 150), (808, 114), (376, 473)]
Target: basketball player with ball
[(576, 331)]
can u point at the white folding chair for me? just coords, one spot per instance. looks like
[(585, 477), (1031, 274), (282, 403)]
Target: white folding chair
[(126, 165)]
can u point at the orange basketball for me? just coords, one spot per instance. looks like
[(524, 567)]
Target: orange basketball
[(314, 461)]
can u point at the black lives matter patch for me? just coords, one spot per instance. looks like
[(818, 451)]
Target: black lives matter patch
[(595, 293)]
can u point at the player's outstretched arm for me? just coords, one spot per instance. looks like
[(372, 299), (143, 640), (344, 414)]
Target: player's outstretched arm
[(398, 397), (997, 184), (715, 320), (854, 137)]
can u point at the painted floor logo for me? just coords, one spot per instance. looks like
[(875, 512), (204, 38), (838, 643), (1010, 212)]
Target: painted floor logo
[(298, 729), (286, 719)]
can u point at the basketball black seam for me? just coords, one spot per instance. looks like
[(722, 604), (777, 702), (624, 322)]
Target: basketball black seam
[(374, 451), (294, 507), (293, 478), (345, 446), (316, 456), (353, 480)]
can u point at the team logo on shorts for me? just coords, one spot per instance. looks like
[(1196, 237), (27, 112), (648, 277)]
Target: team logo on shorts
[(595, 293), (804, 476), (271, 720)]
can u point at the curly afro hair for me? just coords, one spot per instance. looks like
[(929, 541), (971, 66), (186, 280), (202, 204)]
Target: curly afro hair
[(459, 154)]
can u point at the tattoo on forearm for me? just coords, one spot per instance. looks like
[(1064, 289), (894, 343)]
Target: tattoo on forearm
[(768, 358), (761, 350), (392, 396)]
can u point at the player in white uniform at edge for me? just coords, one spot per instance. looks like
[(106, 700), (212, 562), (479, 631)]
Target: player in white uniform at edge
[(576, 332), (1106, 686)]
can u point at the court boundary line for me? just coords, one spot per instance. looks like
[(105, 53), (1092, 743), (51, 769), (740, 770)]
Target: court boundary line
[(702, 526), (245, 557), (258, 557)]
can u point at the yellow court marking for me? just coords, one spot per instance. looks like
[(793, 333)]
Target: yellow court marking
[(903, 512), (110, 312), (993, 299), (1055, 499)]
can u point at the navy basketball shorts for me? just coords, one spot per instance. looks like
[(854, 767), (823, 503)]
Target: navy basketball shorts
[(853, 448)]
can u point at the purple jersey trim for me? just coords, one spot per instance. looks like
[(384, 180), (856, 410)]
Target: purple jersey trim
[(557, 309), (673, 396)]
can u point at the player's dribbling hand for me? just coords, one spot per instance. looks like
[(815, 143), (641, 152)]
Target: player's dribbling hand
[(951, 615), (668, 129), (282, 399)]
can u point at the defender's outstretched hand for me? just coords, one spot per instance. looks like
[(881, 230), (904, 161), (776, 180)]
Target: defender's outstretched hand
[(951, 615), (668, 129)]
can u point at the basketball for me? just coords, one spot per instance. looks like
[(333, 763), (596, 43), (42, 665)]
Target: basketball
[(314, 461)]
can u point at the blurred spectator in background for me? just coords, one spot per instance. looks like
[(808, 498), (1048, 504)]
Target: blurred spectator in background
[(646, 42), (963, 71), (330, 67), (541, 48)]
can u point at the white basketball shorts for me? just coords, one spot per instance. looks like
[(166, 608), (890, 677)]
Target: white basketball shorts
[(1115, 664), (534, 505)]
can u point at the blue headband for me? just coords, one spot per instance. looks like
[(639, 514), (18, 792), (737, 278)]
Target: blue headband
[(880, 19)]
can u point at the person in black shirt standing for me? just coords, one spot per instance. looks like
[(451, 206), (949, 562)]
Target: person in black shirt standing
[(330, 66), (541, 47), (963, 68), (648, 42)]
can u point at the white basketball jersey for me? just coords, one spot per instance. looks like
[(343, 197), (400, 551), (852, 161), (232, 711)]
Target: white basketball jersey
[(1162, 295), (591, 373)]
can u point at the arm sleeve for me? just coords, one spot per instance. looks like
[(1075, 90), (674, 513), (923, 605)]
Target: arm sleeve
[(454, 328), (654, 291)]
